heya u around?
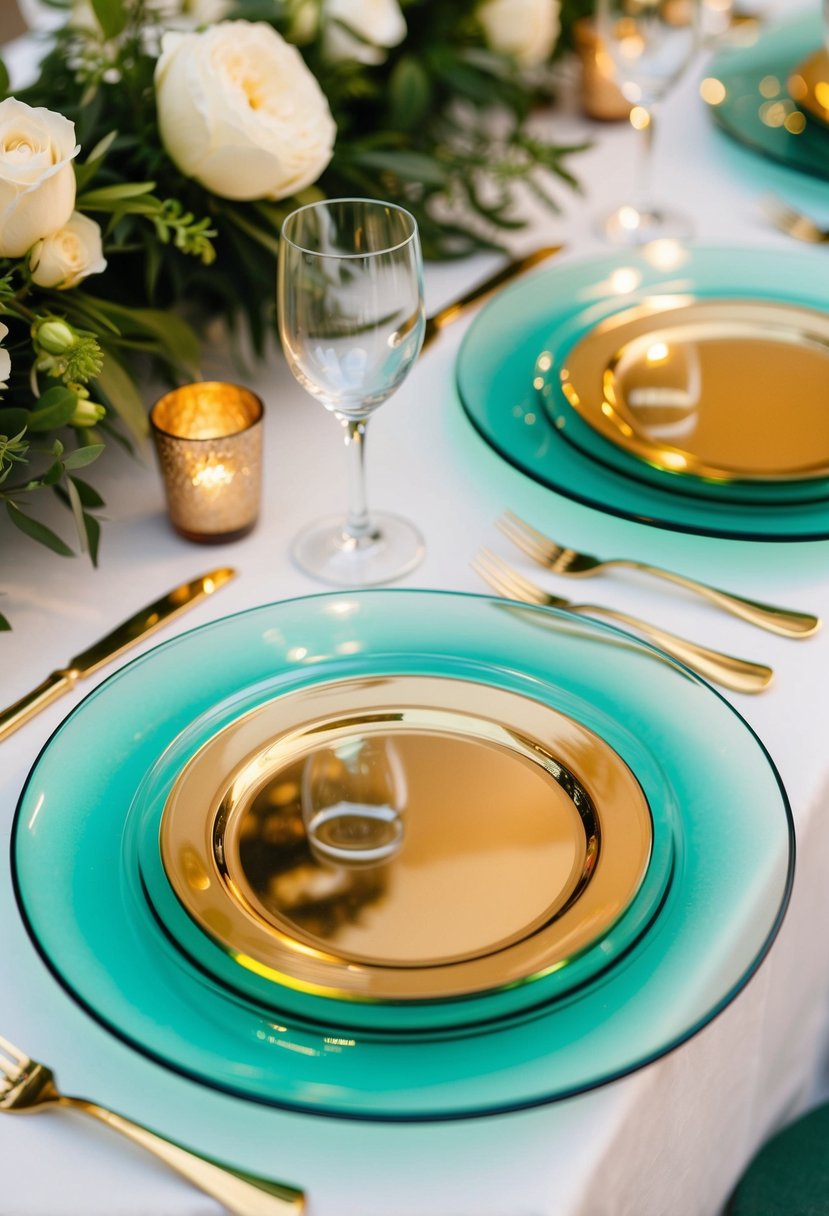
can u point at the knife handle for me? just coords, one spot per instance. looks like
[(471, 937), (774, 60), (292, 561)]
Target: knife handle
[(33, 702)]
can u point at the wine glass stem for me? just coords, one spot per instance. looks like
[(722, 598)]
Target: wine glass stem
[(358, 527), (643, 199)]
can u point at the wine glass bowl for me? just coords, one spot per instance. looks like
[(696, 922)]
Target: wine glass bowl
[(649, 43), (351, 320)]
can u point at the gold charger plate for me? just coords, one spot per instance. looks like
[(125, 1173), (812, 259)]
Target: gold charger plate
[(722, 389), (405, 838), (809, 84)]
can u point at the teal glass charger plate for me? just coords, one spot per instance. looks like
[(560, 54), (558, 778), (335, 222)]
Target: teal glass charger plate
[(745, 112), (498, 383), (721, 821)]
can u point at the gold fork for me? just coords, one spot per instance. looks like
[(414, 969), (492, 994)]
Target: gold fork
[(742, 675), (554, 557), (27, 1086), (794, 223)]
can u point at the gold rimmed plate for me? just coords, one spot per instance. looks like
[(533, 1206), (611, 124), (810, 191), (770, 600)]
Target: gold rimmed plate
[(726, 390), (97, 900), (405, 839), (809, 84)]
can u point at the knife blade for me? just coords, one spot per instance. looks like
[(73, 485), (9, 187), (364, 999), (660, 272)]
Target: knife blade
[(109, 647), (450, 312)]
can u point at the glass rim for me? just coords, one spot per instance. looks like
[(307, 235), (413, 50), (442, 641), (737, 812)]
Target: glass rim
[(330, 202), (255, 399)]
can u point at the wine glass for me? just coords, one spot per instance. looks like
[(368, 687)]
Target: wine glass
[(354, 801), (649, 42), (351, 320)]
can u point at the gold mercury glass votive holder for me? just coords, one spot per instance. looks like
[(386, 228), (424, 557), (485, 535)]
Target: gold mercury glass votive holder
[(208, 437)]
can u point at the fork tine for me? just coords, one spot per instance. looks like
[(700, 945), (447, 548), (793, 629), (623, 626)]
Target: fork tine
[(528, 539), (15, 1052), (510, 582)]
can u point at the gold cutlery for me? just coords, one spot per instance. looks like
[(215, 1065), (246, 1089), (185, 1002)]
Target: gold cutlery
[(450, 312), (795, 223), (27, 1086), (554, 557), (110, 647), (741, 675)]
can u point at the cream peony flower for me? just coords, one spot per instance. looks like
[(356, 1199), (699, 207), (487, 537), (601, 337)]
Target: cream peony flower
[(5, 358), (68, 255), (526, 30), (379, 21), (240, 112), (37, 181)]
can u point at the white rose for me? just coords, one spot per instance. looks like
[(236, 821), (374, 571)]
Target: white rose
[(379, 22), (526, 30), (37, 181), (5, 360), (240, 112), (68, 255)]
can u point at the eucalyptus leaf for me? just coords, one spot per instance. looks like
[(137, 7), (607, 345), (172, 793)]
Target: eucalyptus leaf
[(4, 624), (112, 16), (121, 393), (89, 496), (4, 90), (37, 531), (107, 198), (82, 456), (55, 408), (77, 514)]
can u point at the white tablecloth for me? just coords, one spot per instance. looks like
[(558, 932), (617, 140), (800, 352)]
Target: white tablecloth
[(672, 1138)]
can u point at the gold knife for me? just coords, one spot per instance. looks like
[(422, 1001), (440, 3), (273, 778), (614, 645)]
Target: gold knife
[(450, 312), (108, 648)]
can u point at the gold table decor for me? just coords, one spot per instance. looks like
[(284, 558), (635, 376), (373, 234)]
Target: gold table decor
[(499, 839), (600, 95), (723, 389), (208, 437), (809, 84)]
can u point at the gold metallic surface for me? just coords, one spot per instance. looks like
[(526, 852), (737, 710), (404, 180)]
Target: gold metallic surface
[(450, 312), (561, 559), (208, 437), (27, 1086), (135, 629), (728, 390), (743, 675), (809, 84), (511, 838)]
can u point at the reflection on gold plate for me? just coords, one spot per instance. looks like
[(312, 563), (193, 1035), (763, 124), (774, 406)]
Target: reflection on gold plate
[(809, 84), (405, 838), (728, 390)]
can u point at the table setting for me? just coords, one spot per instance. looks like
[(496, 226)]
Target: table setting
[(437, 826)]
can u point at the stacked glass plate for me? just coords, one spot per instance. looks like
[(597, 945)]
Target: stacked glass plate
[(683, 387), (403, 855)]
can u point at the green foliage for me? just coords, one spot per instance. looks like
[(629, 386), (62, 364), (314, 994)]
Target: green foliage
[(440, 124)]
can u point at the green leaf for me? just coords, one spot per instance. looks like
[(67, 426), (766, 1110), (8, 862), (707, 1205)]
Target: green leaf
[(410, 94), (77, 514), (37, 531), (4, 89), (108, 198), (176, 337), (13, 420), (112, 16), (121, 393), (411, 166), (83, 456), (55, 408), (4, 624), (93, 536), (89, 496)]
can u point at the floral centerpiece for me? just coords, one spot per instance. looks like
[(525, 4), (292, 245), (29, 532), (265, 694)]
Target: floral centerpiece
[(146, 171)]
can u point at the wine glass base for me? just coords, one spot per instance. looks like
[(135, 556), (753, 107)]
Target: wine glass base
[(325, 551), (631, 225)]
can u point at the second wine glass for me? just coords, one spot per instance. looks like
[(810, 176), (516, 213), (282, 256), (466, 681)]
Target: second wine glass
[(650, 43), (351, 320)]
